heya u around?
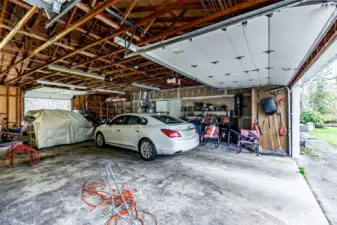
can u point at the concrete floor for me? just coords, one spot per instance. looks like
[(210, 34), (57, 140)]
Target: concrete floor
[(200, 187), (321, 174)]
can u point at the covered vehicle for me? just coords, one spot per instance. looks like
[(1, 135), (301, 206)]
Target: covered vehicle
[(57, 127)]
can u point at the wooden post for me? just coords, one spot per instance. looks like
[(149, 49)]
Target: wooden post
[(101, 109), (7, 106)]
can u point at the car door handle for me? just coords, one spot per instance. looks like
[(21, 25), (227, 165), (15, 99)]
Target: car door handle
[(119, 130), (137, 131)]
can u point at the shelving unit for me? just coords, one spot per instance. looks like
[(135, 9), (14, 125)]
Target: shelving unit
[(108, 110)]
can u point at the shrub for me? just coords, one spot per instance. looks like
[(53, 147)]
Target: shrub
[(313, 117), (330, 121)]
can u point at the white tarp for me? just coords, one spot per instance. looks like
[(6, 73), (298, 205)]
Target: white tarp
[(59, 127)]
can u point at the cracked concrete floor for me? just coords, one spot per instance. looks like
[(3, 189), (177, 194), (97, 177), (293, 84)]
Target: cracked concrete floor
[(200, 187)]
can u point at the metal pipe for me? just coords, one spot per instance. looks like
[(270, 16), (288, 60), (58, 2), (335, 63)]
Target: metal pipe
[(145, 86), (62, 84), (217, 26), (127, 22), (289, 123), (18, 26), (75, 72), (66, 9)]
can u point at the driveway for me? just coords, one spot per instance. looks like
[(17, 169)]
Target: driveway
[(201, 187), (321, 174)]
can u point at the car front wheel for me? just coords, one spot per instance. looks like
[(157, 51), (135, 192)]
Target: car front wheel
[(147, 150), (100, 141)]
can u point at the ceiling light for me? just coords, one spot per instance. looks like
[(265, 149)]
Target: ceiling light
[(75, 71), (62, 84), (145, 86), (109, 91)]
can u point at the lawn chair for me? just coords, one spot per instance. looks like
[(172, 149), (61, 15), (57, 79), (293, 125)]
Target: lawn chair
[(249, 139)]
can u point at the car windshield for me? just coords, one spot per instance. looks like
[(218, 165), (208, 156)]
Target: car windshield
[(167, 119)]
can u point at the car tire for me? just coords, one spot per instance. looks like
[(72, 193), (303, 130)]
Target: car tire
[(147, 150), (100, 141)]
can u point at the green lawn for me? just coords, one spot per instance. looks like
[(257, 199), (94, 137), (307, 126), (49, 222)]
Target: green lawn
[(329, 134)]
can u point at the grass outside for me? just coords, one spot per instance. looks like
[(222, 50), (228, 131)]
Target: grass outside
[(329, 134)]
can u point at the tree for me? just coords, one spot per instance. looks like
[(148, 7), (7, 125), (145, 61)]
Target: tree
[(321, 98)]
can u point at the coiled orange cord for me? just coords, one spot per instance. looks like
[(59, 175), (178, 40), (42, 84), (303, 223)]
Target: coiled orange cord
[(96, 188)]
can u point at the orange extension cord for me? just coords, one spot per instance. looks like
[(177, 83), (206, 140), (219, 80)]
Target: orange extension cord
[(96, 188)]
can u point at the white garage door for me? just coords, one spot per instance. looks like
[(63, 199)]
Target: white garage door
[(42, 103)]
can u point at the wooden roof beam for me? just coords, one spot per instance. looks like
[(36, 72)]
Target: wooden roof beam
[(114, 64), (128, 10), (236, 8), (57, 37), (3, 13), (166, 9), (104, 19), (18, 26), (191, 5), (83, 31)]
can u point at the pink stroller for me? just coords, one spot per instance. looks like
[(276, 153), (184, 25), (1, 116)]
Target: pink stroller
[(249, 139)]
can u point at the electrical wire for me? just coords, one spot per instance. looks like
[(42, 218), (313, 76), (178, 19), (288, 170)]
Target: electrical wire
[(251, 55), (95, 195)]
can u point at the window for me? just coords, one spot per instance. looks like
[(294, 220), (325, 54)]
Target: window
[(119, 120), (167, 119), (135, 120)]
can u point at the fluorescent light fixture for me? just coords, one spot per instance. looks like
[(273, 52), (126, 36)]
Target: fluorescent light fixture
[(145, 86), (75, 72), (62, 85), (124, 43), (109, 91), (53, 90)]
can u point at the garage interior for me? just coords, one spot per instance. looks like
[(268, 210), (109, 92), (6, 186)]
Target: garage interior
[(207, 62)]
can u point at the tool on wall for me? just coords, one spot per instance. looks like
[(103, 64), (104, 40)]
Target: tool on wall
[(256, 124), (277, 133), (269, 109), (283, 129)]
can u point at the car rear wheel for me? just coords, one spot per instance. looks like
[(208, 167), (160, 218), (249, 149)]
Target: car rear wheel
[(147, 150), (100, 141)]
